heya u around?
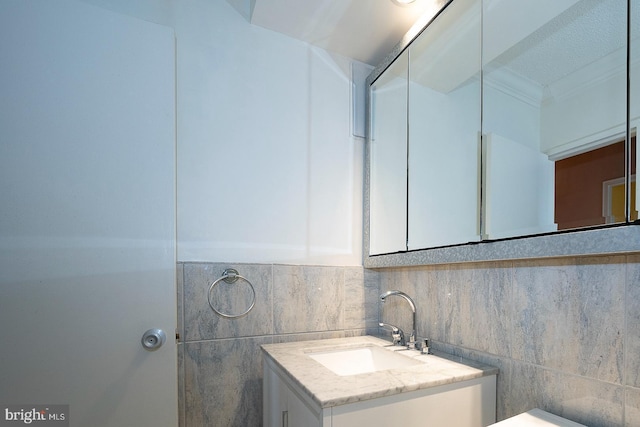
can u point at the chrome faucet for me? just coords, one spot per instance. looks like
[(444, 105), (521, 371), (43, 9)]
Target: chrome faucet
[(412, 338)]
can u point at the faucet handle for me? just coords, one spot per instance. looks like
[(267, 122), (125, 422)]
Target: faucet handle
[(412, 344), (397, 337), (424, 347), (396, 333)]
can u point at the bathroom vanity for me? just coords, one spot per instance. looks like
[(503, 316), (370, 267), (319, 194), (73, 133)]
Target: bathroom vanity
[(366, 381)]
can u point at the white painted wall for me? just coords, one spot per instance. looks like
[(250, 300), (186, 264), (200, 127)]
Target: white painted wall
[(267, 169), (158, 11)]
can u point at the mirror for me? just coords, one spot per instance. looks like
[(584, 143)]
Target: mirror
[(444, 125), (554, 115), (388, 155), (634, 103), (505, 119)]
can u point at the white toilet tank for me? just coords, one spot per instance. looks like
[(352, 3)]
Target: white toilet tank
[(538, 418)]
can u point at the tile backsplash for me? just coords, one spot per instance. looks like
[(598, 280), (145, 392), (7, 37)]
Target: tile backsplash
[(565, 333), (220, 360)]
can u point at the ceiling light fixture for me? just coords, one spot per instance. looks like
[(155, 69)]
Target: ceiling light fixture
[(402, 2)]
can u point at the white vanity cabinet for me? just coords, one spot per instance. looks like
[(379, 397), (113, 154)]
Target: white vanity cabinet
[(283, 406), (468, 403)]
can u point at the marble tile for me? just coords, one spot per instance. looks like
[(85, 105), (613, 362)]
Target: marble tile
[(503, 390), (395, 310), (505, 396), (181, 387), (431, 295), (224, 382), (476, 307), (180, 299), (307, 299), (180, 347), (523, 388), (309, 336), (201, 322), (569, 315), (371, 299), (360, 332), (632, 372), (354, 298), (423, 286), (371, 280), (590, 402), (632, 407), (554, 328)]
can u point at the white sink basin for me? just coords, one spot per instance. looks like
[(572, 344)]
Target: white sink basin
[(360, 360)]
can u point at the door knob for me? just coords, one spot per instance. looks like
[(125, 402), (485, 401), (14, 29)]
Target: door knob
[(153, 339)]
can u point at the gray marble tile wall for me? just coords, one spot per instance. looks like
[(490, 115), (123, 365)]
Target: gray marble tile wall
[(220, 364), (565, 333)]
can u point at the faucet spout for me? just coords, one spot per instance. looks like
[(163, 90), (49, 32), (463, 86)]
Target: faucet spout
[(383, 297)]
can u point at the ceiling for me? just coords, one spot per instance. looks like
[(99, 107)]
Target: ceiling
[(367, 30), (364, 30), (576, 38)]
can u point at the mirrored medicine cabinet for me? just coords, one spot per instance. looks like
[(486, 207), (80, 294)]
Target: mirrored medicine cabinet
[(506, 130)]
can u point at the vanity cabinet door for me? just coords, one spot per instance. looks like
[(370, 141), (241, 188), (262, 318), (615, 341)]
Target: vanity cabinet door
[(298, 414), (469, 403), (282, 407), (274, 395)]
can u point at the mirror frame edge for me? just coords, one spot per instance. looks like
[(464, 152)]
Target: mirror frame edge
[(615, 240)]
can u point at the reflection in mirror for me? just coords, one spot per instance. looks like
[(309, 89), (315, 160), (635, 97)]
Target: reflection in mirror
[(388, 162), (634, 103), (444, 124), (591, 187), (554, 101)]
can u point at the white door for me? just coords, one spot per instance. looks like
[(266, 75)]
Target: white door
[(87, 213)]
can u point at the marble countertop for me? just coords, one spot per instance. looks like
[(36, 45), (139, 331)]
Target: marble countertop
[(328, 389)]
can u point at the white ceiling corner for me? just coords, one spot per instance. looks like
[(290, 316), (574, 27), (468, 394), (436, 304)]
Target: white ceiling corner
[(364, 30), (367, 30), (243, 7)]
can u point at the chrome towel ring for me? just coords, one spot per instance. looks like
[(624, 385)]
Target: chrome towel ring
[(231, 276)]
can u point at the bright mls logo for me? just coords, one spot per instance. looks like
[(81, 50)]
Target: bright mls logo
[(37, 415)]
